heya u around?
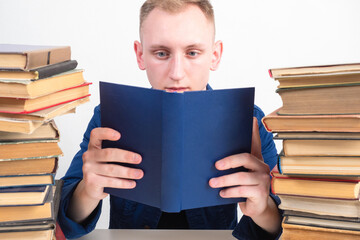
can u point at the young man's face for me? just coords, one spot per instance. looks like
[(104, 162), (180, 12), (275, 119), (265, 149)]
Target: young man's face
[(178, 50)]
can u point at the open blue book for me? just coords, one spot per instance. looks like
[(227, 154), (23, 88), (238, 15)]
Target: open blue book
[(180, 136)]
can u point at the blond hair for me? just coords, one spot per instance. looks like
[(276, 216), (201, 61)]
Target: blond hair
[(175, 6)]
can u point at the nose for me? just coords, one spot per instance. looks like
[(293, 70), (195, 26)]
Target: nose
[(177, 71)]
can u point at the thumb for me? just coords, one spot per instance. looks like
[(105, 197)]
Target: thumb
[(256, 141)]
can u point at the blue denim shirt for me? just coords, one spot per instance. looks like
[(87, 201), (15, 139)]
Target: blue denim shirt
[(126, 214)]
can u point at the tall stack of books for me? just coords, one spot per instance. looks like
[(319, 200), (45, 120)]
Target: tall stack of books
[(319, 166), (37, 83)]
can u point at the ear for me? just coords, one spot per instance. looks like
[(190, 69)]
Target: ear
[(139, 55), (216, 55)]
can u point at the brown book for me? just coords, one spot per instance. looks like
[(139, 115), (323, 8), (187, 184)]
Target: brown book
[(321, 206), (23, 213), (300, 232), (43, 228), (25, 195), (48, 130), (24, 106), (316, 187), (319, 165), (317, 135), (26, 180), (328, 100), (309, 70), (28, 166), (42, 87), (337, 78), (26, 57), (27, 123), (29, 149), (314, 221), (321, 147), (29, 233), (309, 123)]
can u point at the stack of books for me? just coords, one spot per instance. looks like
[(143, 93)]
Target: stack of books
[(37, 83), (319, 166)]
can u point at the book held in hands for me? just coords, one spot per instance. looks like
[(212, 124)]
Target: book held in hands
[(180, 136)]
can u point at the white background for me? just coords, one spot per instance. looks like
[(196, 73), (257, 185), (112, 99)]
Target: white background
[(257, 35)]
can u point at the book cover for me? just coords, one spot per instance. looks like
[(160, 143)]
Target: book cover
[(180, 136), (26, 57), (21, 76)]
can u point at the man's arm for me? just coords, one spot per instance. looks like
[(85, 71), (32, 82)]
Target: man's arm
[(253, 185), (88, 174)]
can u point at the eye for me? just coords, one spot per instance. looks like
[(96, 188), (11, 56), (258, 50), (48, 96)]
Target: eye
[(161, 54), (193, 53)]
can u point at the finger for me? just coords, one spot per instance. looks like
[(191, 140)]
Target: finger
[(240, 192), (112, 155), (97, 135), (118, 171), (256, 140), (234, 179), (111, 182), (241, 160)]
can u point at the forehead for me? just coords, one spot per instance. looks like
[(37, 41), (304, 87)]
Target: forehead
[(188, 26)]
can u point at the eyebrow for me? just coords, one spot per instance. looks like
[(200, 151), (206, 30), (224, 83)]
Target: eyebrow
[(159, 46)]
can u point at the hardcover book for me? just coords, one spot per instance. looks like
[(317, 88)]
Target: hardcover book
[(28, 123), (320, 100), (41, 87), (26, 57), (309, 123), (24, 106), (180, 136), (333, 188)]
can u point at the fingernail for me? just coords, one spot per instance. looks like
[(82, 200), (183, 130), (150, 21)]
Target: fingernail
[(214, 182), (138, 174), (222, 193), (116, 135), (220, 164), (137, 158), (132, 184)]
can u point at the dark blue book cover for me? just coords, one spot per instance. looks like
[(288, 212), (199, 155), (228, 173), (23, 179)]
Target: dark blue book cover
[(180, 136)]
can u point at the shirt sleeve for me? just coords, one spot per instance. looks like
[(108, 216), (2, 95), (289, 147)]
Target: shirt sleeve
[(71, 179), (247, 229)]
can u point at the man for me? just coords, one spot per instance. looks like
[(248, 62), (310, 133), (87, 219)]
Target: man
[(177, 50)]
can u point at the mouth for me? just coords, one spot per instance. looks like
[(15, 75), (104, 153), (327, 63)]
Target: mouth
[(177, 89)]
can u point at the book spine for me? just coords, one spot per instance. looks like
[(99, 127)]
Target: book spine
[(51, 70), (172, 151)]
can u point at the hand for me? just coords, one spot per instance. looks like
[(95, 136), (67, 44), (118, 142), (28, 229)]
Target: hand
[(253, 185), (99, 170)]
